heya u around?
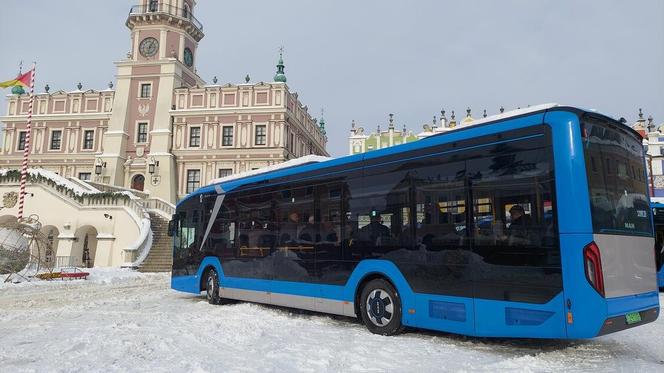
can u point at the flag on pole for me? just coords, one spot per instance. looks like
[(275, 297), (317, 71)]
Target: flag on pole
[(22, 79)]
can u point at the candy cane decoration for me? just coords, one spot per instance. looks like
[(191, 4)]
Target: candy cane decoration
[(26, 150)]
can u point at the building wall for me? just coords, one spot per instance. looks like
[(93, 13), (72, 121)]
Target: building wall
[(110, 236), (73, 120)]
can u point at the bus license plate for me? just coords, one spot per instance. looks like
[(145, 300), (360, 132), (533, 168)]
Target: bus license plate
[(633, 318)]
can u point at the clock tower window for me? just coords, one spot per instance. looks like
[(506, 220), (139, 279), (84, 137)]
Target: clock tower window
[(146, 90)]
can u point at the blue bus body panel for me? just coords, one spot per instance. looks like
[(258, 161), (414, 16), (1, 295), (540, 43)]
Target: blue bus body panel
[(660, 277), (514, 319), (186, 284), (574, 226)]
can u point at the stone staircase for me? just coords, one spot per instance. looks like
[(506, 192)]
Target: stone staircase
[(160, 258)]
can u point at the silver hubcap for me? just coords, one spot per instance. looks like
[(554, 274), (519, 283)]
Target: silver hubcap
[(210, 287), (380, 307)]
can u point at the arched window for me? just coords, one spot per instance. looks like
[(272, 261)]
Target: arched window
[(138, 182), (186, 11), (154, 5)]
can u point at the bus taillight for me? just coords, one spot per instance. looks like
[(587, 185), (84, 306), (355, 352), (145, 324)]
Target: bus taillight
[(593, 266)]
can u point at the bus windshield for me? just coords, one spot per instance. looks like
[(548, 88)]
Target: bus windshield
[(616, 180)]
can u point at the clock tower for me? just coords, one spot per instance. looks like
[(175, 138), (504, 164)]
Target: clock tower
[(137, 147)]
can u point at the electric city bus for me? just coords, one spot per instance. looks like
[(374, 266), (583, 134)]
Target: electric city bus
[(658, 219), (533, 223)]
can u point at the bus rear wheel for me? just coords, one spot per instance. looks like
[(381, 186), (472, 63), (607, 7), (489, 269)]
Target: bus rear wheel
[(212, 287), (380, 308)]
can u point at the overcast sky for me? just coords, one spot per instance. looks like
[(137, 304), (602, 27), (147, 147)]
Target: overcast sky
[(365, 59)]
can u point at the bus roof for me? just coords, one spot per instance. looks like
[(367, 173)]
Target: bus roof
[(308, 163)]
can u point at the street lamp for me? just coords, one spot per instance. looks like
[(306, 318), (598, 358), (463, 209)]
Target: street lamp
[(99, 165), (152, 165)]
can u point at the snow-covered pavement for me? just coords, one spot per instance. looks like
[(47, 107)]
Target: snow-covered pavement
[(125, 321)]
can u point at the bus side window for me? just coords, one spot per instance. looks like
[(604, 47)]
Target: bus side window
[(221, 241), (514, 228)]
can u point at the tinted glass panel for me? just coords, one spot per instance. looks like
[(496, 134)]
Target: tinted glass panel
[(186, 253), (256, 236), (618, 188), (379, 215), (513, 228), (297, 234), (440, 234), (330, 268)]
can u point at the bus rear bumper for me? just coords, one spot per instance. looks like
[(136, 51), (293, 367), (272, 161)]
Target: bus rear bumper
[(646, 304)]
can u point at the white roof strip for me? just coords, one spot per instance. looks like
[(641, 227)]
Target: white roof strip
[(293, 162), (511, 113)]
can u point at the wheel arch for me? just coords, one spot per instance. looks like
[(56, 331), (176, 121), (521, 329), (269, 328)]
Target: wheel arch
[(206, 265), (369, 269), (368, 277)]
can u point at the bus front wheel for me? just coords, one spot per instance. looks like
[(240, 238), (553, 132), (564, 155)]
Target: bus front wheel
[(380, 308), (212, 287)]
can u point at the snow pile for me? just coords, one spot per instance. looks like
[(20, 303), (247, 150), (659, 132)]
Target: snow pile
[(126, 321), (293, 162), (99, 275)]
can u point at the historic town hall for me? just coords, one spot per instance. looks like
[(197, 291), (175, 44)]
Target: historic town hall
[(160, 128)]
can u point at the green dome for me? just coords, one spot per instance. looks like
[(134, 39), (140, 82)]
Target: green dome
[(18, 90), (280, 76)]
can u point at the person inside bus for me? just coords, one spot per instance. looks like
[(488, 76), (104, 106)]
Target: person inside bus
[(288, 230), (327, 232), (520, 231), (309, 232), (374, 232)]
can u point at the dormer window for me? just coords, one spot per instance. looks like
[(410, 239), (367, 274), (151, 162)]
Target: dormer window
[(154, 5)]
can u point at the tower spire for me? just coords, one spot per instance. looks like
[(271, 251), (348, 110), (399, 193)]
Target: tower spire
[(280, 76), (321, 123)]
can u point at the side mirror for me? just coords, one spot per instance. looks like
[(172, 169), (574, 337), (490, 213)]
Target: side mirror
[(172, 225)]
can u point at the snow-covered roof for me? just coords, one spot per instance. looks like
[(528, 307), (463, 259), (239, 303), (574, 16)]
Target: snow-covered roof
[(78, 189), (59, 180), (293, 162)]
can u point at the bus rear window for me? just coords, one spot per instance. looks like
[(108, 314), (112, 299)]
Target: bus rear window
[(616, 179)]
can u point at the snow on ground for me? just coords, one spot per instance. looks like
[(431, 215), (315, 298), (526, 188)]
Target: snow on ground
[(121, 321)]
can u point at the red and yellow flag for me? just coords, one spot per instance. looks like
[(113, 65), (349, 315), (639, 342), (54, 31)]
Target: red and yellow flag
[(23, 80)]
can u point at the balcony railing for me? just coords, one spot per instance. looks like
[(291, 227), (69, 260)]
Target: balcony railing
[(158, 7)]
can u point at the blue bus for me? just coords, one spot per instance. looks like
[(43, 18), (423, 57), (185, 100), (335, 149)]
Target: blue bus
[(658, 219), (534, 223)]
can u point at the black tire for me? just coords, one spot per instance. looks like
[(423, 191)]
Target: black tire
[(380, 308), (212, 287)]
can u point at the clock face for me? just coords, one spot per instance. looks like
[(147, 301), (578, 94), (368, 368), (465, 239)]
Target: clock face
[(148, 47), (188, 57)]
